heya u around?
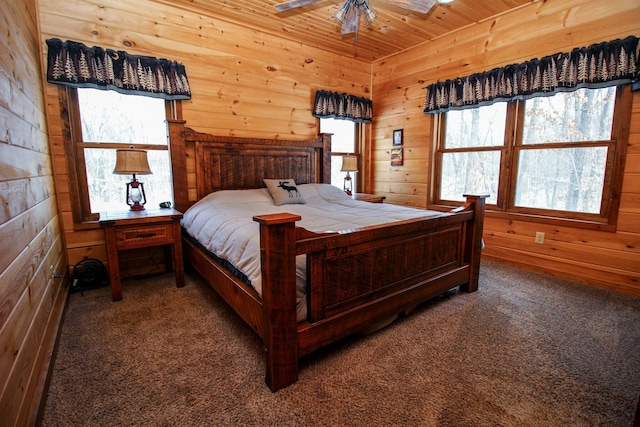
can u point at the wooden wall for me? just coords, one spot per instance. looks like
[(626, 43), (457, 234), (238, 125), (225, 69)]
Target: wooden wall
[(244, 83), (605, 259), (31, 300)]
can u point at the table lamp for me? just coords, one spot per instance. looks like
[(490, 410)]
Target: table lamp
[(349, 164), (134, 162)]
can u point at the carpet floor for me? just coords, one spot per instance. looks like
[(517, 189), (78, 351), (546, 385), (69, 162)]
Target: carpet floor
[(525, 350)]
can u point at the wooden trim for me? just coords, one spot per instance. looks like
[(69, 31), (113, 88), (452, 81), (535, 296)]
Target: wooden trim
[(70, 122), (621, 127), (177, 151)]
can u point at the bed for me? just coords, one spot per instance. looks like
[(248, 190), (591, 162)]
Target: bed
[(348, 280)]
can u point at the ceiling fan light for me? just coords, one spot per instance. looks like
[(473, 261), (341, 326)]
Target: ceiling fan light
[(369, 14), (445, 1), (341, 14)]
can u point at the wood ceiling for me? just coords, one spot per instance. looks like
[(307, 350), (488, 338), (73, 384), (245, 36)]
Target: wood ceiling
[(395, 30)]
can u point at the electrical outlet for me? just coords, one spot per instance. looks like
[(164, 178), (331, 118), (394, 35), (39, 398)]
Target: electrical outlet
[(539, 237)]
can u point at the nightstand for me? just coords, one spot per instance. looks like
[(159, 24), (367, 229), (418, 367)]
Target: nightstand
[(371, 198), (125, 230)]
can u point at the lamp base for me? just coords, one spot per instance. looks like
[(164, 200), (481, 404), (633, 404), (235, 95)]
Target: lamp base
[(347, 184), (136, 198)]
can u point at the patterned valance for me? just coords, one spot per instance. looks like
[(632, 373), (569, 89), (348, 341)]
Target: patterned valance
[(74, 64), (342, 106), (599, 65)]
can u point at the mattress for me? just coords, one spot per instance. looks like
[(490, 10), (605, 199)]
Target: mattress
[(222, 223)]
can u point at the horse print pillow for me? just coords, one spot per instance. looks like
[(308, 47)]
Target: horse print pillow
[(284, 191)]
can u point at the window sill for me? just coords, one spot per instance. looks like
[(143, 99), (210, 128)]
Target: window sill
[(540, 219)]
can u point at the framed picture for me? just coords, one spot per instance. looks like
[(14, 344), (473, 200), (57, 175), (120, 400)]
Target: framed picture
[(397, 137), (396, 157)]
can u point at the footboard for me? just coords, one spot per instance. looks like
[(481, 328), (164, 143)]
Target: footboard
[(359, 277)]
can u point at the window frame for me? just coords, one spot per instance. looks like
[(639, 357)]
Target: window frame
[(509, 152), (358, 147), (74, 147)]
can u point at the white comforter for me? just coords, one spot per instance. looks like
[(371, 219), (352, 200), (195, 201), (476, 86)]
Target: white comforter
[(223, 223)]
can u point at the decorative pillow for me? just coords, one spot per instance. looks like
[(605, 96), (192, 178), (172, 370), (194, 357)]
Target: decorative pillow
[(284, 191)]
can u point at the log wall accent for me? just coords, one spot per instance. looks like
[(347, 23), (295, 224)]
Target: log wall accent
[(604, 259), (31, 241), (244, 83)]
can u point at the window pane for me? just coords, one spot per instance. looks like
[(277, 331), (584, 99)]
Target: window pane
[(107, 192), (568, 179), (476, 127), (343, 140), (344, 132), (108, 116), (470, 173), (583, 115)]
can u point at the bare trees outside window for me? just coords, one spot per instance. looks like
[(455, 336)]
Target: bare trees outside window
[(551, 156), (109, 121)]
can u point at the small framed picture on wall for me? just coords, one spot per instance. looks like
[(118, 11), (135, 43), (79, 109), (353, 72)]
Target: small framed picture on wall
[(397, 137), (396, 157)]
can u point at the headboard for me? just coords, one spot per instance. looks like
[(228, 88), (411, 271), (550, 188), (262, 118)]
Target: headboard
[(225, 163)]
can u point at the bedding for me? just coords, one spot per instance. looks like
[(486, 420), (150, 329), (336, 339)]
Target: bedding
[(222, 223)]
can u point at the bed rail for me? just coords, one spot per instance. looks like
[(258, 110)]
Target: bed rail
[(359, 277)]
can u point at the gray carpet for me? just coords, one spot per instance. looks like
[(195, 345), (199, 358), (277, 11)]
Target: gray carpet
[(525, 350)]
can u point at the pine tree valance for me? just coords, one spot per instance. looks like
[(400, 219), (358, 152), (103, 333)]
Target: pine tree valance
[(74, 64), (342, 106), (599, 65)]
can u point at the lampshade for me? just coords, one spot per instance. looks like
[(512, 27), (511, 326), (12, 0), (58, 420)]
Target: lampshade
[(131, 162), (349, 164)]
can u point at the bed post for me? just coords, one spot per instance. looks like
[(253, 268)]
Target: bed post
[(325, 159), (278, 254), (178, 164), (473, 244)]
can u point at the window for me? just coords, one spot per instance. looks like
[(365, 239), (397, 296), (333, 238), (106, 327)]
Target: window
[(547, 157), (106, 121), (343, 142)]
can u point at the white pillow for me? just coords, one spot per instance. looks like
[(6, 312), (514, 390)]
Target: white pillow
[(284, 191)]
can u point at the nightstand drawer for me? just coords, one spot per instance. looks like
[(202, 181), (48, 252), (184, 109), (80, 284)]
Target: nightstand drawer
[(135, 237)]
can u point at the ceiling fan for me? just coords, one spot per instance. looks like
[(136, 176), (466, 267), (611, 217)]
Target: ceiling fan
[(349, 13)]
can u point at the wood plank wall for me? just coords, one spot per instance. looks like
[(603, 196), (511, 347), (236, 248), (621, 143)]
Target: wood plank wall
[(244, 83), (31, 300), (609, 260)]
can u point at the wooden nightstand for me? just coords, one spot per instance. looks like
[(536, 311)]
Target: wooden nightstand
[(140, 229), (371, 198)]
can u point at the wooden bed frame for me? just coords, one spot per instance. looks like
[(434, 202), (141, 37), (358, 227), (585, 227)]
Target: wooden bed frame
[(355, 279)]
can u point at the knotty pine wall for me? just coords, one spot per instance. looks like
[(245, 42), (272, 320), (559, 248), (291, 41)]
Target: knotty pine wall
[(31, 300), (243, 82), (605, 259)]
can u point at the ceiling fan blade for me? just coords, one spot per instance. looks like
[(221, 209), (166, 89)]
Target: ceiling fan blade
[(292, 4), (421, 6)]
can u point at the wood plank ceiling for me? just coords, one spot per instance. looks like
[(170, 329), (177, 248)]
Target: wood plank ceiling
[(395, 30)]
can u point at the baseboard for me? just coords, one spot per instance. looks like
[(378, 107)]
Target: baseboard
[(55, 328)]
